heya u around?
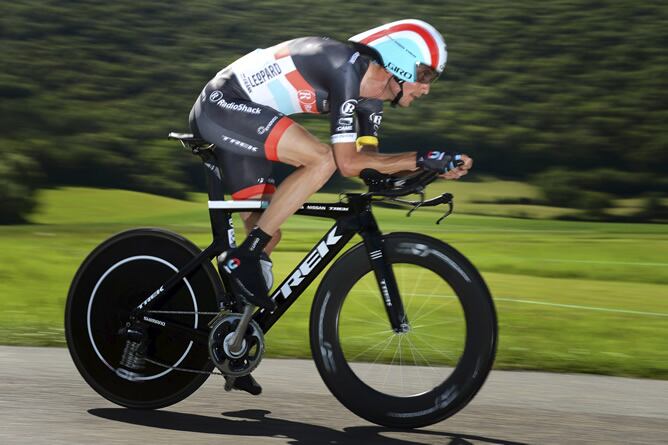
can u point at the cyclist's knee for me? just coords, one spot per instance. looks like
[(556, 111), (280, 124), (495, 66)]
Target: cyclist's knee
[(300, 148), (321, 162), (324, 161)]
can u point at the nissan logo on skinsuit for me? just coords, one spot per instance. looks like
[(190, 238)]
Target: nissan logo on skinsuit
[(348, 107), (215, 96)]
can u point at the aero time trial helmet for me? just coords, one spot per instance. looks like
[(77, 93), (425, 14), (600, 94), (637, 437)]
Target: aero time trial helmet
[(412, 50)]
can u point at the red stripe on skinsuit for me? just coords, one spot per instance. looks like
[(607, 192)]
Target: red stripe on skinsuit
[(254, 190), (271, 144), (305, 92)]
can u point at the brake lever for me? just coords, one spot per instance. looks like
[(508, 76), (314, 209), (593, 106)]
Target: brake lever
[(418, 204), (451, 207)]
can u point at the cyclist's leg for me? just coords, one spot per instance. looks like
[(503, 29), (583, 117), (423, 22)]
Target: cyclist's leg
[(315, 165), (249, 129), (249, 178), (250, 220)]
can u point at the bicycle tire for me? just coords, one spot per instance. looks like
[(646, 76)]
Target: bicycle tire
[(455, 381), (114, 279)]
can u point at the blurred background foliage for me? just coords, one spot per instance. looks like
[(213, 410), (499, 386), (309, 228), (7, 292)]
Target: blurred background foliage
[(571, 95)]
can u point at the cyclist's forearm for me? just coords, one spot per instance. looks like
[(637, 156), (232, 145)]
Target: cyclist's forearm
[(383, 162)]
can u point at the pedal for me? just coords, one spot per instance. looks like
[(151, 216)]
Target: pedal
[(243, 383)]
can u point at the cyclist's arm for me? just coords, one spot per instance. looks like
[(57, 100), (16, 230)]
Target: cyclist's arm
[(351, 162), (367, 148), (346, 109), (369, 118)]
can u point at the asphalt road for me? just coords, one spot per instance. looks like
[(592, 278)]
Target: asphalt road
[(43, 400)]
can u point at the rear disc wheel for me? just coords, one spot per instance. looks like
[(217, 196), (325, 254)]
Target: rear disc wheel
[(115, 278)]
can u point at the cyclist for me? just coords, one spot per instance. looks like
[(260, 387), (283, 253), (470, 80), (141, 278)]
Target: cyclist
[(244, 112)]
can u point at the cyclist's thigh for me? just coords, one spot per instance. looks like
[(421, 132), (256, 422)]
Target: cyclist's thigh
[(238, 126), (299, 147), (246, 177)]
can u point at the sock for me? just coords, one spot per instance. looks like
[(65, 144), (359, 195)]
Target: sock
[(255, 242)]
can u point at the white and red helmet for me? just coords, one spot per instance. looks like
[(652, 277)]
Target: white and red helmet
[(412, 50)]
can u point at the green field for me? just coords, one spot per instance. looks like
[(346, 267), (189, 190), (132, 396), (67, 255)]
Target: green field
[(570, 296)]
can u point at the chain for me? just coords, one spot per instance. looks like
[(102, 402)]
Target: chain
[(176, 368), (183, 312)]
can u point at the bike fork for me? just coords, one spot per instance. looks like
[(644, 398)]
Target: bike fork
[(387, 283)]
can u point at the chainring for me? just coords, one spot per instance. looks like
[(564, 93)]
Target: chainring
[(252, 348)]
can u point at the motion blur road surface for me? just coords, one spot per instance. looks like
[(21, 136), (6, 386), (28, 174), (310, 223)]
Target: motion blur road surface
[(44, 400)]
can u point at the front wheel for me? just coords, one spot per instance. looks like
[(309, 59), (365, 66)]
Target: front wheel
[(414, 378)]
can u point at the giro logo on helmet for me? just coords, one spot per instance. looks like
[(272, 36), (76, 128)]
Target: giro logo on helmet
[(403, 74)]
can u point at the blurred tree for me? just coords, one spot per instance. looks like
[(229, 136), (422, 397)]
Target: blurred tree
[(576, 85), (19, 176)]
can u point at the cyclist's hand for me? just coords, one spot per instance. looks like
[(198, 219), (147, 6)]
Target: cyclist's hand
[(449, 165), (461, 170)]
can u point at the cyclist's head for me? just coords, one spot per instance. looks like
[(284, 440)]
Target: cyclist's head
[(411, 50)]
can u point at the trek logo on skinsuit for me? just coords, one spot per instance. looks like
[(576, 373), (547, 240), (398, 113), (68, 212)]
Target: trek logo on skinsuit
[(348, 107), (307, 266), (400, 71), (265, 128), (262, 76), (239, 143)]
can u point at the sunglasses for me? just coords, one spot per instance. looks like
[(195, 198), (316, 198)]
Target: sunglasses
[(425, 73)]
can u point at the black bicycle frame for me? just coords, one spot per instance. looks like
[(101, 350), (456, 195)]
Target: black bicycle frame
[(352, 217)]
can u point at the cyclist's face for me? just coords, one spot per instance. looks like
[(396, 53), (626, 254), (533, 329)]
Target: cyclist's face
[(413, 90)]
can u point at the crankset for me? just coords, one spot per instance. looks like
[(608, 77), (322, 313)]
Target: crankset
[(232, 354)]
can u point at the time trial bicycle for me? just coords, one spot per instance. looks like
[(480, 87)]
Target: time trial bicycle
[(403, 329)]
